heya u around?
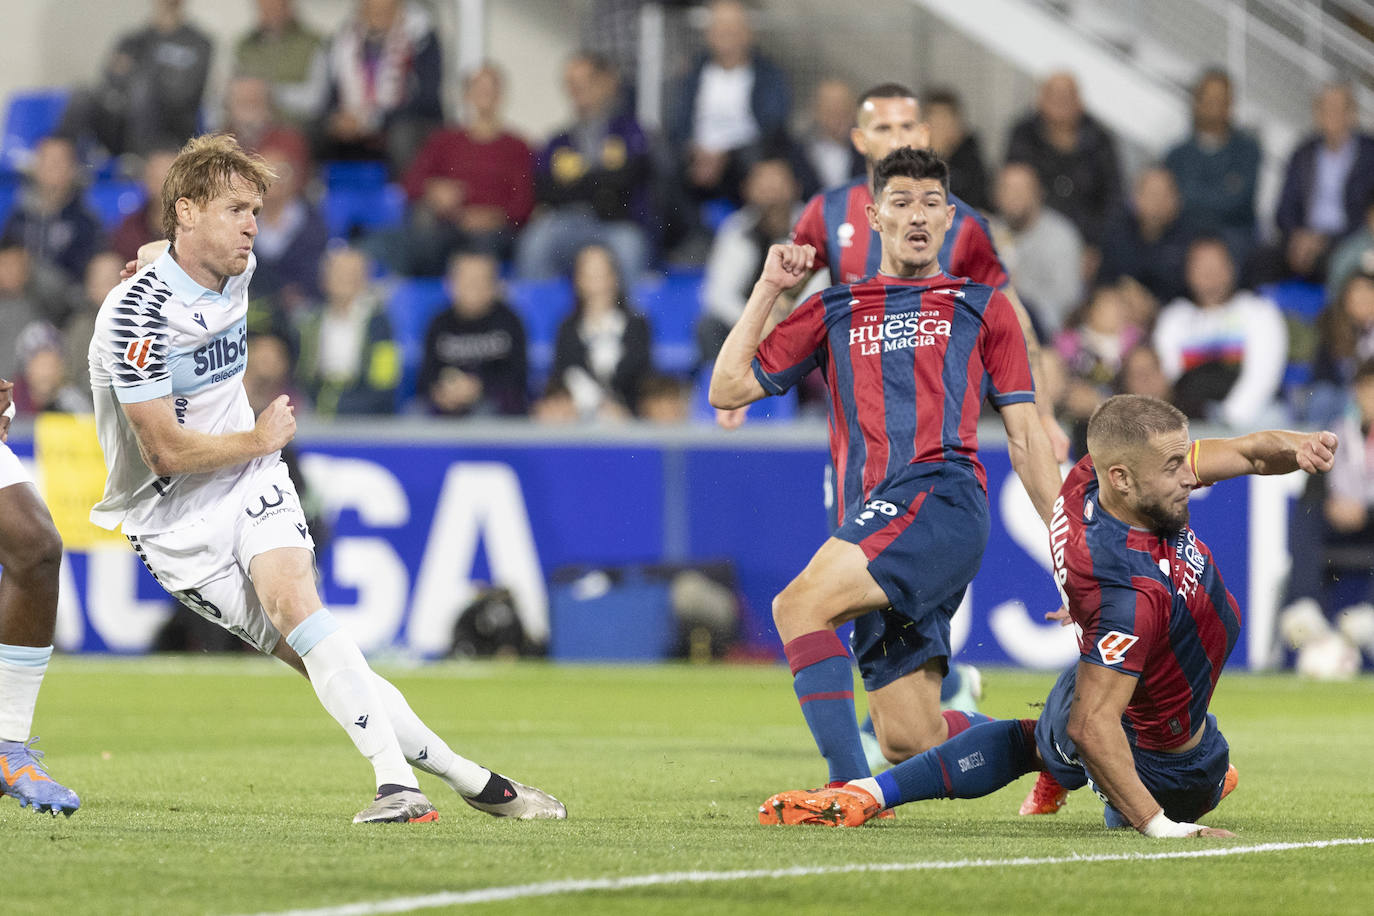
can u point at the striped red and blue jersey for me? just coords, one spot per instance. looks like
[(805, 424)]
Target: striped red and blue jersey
[(907, 365), (1147, 605), (835, 224)]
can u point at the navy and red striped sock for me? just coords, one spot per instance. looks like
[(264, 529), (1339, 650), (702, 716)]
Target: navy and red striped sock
[(824, 684)]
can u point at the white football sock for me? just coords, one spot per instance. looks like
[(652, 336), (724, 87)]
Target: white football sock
[(345, 685), (21, 674), (870, 785), (425, 749)]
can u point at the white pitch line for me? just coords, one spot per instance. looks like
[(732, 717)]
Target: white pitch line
[(573, 886)]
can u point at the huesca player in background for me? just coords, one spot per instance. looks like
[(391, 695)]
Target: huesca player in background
[(1155, 627), (199, 489), (908, 356)]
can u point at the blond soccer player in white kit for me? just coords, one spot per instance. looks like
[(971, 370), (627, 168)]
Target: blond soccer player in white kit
[(199, 489)]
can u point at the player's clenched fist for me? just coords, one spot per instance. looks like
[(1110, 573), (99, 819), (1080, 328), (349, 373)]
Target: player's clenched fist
[(1317, 452), (276, 424), (787, 265)]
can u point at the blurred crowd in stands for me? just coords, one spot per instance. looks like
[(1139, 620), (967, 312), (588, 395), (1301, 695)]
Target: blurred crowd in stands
[(409, 264)]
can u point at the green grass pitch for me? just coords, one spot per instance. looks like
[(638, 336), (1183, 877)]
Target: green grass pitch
[(218, 785)]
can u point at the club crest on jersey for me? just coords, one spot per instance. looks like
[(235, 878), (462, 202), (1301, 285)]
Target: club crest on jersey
[(1113, 646), (844, 235), (139, 352)]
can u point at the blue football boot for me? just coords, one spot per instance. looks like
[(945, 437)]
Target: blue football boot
[(23, 775)]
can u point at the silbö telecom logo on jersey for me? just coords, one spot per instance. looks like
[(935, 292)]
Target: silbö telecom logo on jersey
[(882, 334)]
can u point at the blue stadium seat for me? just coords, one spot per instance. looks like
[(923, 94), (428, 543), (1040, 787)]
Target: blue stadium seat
[(714, 212), (411, 306), (672, 303), (542, 306), (9, 192), (1299, 298), (31, 116), (113, 200), (1301, 301), (351, 174), (348, 209)]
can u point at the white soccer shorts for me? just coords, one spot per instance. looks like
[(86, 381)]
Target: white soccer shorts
[(205, 565)]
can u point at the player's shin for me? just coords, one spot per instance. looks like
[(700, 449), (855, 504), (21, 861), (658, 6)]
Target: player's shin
[(426, 750), (346, 688), (824, 685), (980, 761)]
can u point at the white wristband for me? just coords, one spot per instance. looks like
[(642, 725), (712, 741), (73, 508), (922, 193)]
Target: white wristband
[(9, 411), (1160, 827)]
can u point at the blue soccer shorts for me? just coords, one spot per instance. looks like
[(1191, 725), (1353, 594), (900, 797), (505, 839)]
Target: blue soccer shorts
[(923, 530), (1187, 785)]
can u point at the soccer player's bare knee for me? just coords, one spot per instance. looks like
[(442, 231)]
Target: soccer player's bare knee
[(906, 715), (285, 582)]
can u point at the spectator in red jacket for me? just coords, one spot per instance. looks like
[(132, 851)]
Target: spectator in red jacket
[(470, 187)]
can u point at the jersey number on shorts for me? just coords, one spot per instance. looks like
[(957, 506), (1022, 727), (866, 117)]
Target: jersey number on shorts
[(875, 506), (196, 602)]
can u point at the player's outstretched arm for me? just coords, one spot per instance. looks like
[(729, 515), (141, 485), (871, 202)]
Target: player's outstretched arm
[(732, 379), (170, 449), (1032, 457), (1058, 439), (1100, 699), (1271, 451)]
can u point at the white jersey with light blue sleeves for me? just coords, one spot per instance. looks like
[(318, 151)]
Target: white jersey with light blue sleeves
[(161, 334)]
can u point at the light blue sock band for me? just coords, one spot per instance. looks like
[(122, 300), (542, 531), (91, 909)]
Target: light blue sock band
[(311, 630), (25, 656)]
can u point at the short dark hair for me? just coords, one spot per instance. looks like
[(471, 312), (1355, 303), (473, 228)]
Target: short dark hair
[(943, 95), (1124, 423), (887, 91), (910, 163)]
